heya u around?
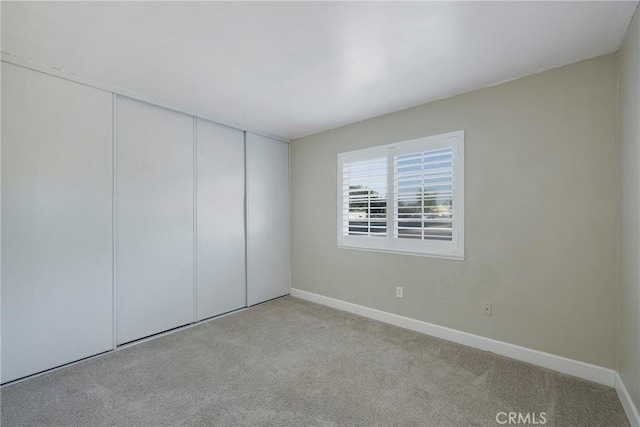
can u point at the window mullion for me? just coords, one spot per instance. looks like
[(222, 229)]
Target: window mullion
[(422, 202), (369, 195), (391, 197)]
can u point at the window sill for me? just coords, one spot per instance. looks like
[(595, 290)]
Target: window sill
[(457, 257)]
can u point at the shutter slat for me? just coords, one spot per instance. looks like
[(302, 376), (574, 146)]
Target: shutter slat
[(364, 198), (420, 180)]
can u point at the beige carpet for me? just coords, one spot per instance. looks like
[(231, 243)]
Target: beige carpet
[(294, 363)]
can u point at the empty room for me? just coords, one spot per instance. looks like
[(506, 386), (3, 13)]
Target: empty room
[(320, 213)]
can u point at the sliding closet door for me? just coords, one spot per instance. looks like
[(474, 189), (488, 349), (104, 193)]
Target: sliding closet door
[(154, 219), (220, 220), (57, 301), (268, 219)]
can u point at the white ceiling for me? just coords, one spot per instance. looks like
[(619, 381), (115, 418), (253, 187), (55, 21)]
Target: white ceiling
[(295, 68)]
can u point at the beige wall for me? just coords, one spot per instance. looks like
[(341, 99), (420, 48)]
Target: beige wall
[(541, 215), (629, 289)]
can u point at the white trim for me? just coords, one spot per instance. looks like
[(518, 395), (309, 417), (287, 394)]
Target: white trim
[(402, 252), (290, 217), (114, 184), (64, 74), (459, 179), (195, 219), (246, 217), (587, 371), (627, 403)]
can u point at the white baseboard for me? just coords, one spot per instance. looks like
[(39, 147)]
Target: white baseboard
[(629, 407), (587, 371)]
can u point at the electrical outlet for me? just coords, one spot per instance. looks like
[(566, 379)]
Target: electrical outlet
[(487, 309), (399, 292)]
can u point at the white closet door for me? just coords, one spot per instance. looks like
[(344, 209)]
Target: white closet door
[(154, 219), (268, 219), (220, 220), (57, 300)]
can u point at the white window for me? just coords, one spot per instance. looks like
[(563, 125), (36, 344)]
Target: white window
[(406, 197)]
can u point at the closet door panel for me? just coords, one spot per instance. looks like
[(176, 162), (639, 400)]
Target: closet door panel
[(154, 219), (57, 300), (220, 220), (268, 219)]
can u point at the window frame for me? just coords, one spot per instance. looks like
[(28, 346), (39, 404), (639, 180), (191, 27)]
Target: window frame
[(453, 249)]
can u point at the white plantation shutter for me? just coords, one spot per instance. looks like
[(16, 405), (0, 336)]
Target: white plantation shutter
[(406, 197), (423, 195), (364, 198)]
